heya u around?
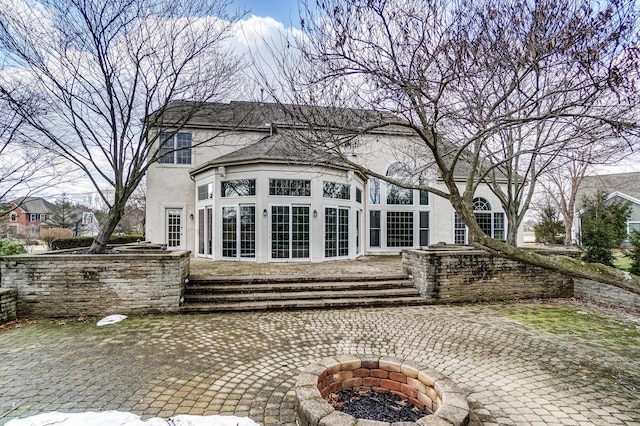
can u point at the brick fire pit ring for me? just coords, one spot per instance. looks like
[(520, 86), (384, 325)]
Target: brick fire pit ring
[(425, 388)]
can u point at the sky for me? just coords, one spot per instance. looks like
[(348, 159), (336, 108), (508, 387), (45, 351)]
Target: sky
[(283, 11)]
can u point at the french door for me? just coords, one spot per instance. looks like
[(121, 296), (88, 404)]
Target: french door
[(290, 232), (174, 231), (239, 232), (336, 232), (205, 231)]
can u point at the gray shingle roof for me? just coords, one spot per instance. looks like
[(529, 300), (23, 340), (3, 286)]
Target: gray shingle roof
[(34, 205), (277, 148), (243, 115), (627, 183)]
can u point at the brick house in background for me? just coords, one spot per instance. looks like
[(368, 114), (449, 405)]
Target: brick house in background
[(27, 215)]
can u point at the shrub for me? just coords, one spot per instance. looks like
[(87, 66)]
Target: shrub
[(634, 239), (549, 230), (604, 226), (50, 234), (79, 242), (7, 248)]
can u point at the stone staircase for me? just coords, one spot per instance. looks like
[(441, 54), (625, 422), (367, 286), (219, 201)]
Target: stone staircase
[(255, 293)]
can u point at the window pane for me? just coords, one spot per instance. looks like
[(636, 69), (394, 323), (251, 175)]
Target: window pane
[(374, 191), (397, 195), (484, 221), (229, 226), (247, 231), (424, 197), (424, 228), (290, 187), (343, 232), (374, 228), (238, 188), (399, 229), (166, 145), (460, 231), (330, 232), (300, 232), (280, 232), (336, 190), (498, 226), (359, 195), (183, 156)]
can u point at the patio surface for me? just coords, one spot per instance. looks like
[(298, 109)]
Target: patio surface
[(532, 363)]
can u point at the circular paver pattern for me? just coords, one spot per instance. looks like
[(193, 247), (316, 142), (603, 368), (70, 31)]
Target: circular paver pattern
[(246, 364)]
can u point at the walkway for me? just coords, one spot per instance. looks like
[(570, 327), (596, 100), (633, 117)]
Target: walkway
[(245, 363)]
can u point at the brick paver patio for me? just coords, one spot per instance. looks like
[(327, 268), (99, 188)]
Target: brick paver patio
[(245, 363)]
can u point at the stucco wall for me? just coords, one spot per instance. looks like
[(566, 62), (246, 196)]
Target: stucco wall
[(7, 304), (64, 285), (462, 274)]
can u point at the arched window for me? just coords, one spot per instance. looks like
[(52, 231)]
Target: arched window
[(491, 223), (396, 195), (481, 205)]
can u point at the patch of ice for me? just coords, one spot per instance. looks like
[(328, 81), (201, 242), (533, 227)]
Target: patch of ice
[(119, 418), (111, 319)]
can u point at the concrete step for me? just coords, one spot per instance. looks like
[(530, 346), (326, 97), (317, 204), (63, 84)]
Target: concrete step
[(199, 288), (302, 304), (300, 294), (298, 279)]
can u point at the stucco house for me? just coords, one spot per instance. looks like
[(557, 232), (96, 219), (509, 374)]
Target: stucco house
[(619, 187), (245, 185)]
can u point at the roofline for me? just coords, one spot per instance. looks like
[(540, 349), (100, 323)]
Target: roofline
[(623, 195), (261, 160)]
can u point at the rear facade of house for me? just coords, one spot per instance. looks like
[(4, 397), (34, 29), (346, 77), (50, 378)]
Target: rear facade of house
[(243, 186)]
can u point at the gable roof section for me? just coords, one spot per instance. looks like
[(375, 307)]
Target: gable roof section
[(34, 205), (625, 185)]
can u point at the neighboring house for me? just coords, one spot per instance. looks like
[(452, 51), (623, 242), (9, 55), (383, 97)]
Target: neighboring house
[(85, 223), (27, 215), (621, 187), (257, 193)]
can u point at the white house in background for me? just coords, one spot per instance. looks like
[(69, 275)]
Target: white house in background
[(257, 193), (619, 187)]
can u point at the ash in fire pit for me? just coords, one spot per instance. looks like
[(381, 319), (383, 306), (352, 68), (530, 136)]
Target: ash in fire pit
[(383, 407)]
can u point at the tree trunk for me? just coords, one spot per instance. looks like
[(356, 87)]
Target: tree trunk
[(512, 235), (100, 242)]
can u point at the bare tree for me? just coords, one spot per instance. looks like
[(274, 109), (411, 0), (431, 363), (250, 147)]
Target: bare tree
[(561, 182), (485, 89), (84, 76), (24, 171)]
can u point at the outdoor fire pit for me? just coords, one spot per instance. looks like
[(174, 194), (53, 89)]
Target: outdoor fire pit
[(322, 382)]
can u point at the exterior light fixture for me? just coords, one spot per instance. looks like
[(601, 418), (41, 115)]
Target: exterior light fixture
[(264, 212), (315, 213)]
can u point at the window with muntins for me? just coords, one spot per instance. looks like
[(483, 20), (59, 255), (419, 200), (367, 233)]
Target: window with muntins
[(290, 187), (396, 194), (399, 229), (175, 148)]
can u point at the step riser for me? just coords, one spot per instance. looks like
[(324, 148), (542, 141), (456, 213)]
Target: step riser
[(266, 293), (199, 289)]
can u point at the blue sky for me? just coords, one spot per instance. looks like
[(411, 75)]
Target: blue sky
[(284, 11)]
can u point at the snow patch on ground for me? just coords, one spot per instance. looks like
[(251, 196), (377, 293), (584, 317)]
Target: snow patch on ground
[(119, 418)]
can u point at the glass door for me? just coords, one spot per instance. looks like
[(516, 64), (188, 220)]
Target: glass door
[(174, 225), (290, 232)]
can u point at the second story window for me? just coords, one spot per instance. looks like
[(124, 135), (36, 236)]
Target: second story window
[(33, 217), (14, 216), (175, 148)]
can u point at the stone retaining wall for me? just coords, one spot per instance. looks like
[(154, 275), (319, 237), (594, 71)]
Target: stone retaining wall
[(7, 305), (606, 294), (463, 274), (66, 285)]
